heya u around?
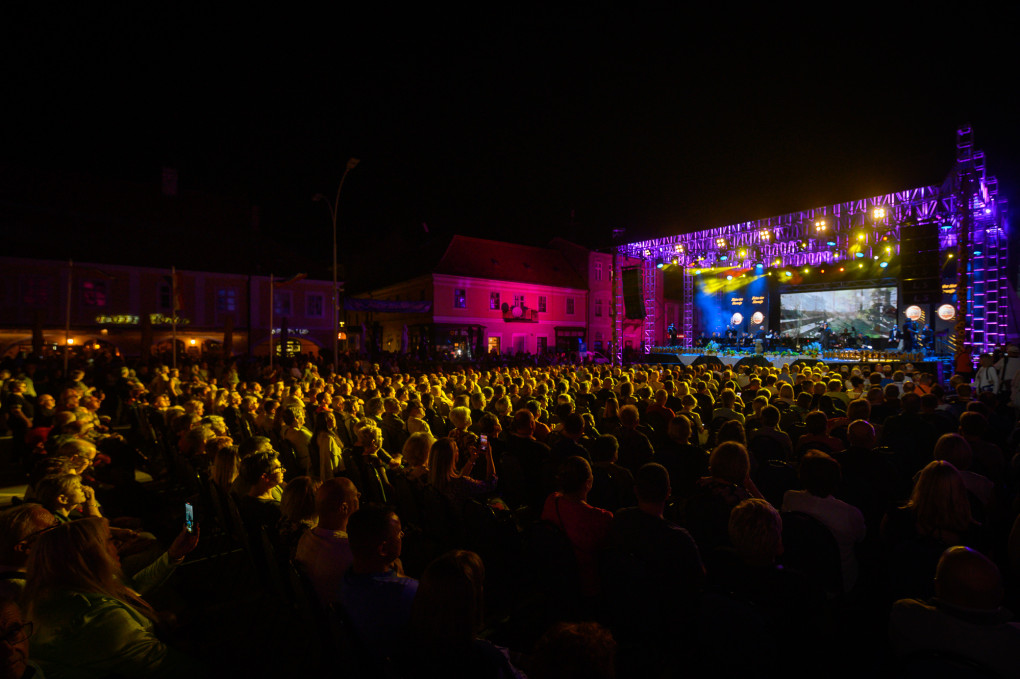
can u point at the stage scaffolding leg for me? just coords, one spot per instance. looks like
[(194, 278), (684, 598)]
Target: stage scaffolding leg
[(688, 320)]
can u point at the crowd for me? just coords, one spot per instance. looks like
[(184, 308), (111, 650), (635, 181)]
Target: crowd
[(541, 521)]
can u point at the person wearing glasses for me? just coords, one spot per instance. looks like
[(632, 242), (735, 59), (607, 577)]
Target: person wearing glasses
[(14, 634), (18, 527)]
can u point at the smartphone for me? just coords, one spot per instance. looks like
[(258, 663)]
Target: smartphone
[(189, 517), (483, 442)]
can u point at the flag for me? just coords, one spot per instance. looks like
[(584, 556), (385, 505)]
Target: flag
[(176, 290)]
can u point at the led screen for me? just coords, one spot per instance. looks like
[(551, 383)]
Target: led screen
[(867, 311)]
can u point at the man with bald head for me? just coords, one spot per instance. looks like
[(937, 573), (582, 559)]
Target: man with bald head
[(324, 552), (965, 618), (871, 482)]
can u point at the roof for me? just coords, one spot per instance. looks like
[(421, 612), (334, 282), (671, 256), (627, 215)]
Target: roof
[(496, 260)]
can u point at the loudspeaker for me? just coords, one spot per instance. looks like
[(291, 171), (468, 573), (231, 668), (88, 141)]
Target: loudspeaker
[(633, 305), (919, 250)]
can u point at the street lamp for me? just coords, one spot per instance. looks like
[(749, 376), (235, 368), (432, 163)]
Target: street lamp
[(333, 207)]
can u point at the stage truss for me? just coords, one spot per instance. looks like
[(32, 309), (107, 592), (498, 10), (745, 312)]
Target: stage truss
[(860, 230)]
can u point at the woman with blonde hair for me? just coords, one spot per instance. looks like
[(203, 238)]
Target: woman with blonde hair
[(327, 439), (937, 516), (90, 620)]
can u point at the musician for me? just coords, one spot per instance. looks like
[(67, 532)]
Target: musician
[(909, 332), (928, 339), (826, 336), (895, 339)]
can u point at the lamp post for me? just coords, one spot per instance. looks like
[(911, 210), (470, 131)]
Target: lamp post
[(333, 208)]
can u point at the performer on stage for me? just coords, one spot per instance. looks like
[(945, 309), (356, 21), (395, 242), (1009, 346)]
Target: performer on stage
[(895, 339), (909, 330), (826, 336), (928, 339)]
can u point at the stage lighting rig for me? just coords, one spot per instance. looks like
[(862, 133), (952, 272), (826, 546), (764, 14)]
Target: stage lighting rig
[(878, 213)]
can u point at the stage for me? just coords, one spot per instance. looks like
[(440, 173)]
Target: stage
[(928, 364)]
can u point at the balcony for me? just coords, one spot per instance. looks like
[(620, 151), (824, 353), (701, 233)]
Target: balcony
[(519, 314)]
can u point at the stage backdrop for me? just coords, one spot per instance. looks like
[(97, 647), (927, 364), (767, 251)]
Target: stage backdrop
[(742, 302)]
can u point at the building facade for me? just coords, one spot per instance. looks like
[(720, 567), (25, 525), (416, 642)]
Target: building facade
[(123, 307)]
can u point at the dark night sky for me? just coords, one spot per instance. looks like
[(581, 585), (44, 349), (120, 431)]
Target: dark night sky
[(501, 125)]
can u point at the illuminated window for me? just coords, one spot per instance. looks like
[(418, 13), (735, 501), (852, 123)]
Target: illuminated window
[(493, 345), (459, 298), (570, 306), (493, 300), (519, 301), (541, 303), (315, 305), (93, 293), (226, 301)]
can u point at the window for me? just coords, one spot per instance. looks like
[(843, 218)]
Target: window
[(543, 343), (282, 302), (36, 290), (519, 300), (493, 300), (93, 293), (493, 345), (570, 306), (226, 301), (164, 292), (598, 271), (315, 305), (459, 298), (541, 303), (598, 307)]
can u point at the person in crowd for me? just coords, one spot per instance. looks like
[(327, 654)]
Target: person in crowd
[(458, 485), (965, 619), (447, 614), (375, 595), (19, 525), (298, 513), (820, 475), (324, 552), (585, 526), (91, 622)]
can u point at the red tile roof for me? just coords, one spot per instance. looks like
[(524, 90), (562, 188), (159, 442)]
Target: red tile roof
[(495, 260)]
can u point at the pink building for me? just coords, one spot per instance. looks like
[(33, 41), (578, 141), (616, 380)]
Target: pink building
[(487, 296)]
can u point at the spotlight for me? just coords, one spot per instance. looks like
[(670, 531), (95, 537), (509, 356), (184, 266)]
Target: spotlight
[(679, 247), (807, 270), (729, 277), (860, 266), (720, 242), (820, 225), (723, 258), (659, 263), (841, 269), (831, 242), (977, 253), (777, 262), (859, 255), (675, 261), (803, 245), (878, 213), (861, 236), (742, 254), (787, 273), (950, 255), (884, 264), (764, 234), (647, 252)]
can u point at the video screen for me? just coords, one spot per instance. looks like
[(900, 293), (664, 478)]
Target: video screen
[(870, 312)]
